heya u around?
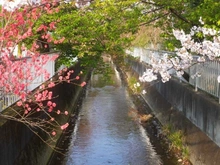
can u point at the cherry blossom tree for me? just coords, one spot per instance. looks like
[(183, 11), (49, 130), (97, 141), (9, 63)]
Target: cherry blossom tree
[(192, 51), (21, 63)]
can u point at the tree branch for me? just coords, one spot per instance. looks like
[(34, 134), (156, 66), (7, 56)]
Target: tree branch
[(174, 12), (152, 20), (154, 10)]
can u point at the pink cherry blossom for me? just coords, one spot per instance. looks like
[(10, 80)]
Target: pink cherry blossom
[(49, 103), (60, 78), (19, 103), (51, 84), (83, 84), (64, 126), (50, 109), (54, 104), (19, 70), (53, 133), (50, 95)]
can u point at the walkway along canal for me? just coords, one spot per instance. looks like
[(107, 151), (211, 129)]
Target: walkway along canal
[(107, 130)]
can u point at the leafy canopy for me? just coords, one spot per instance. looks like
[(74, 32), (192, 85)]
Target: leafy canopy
[(103, 26)]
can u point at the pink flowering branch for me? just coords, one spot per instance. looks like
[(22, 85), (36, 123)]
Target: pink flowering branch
[(21, 64), (41, 102)]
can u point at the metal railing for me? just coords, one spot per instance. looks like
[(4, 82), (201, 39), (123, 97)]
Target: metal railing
[(9, 99), (202, 76), (205, 78)]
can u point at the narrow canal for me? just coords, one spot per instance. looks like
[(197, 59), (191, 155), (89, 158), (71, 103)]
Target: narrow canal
[(105, 133)]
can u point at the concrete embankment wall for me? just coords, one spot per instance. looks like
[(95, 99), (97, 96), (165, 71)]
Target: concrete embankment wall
[(195, 113), (18, 145), (13, 138)]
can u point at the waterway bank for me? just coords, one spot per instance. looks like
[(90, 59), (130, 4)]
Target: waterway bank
[(194, 114), (153, 126), (36, 151), (109, 97)]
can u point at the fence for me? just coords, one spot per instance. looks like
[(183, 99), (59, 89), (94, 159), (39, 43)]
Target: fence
[(7, 100), (201, 75)]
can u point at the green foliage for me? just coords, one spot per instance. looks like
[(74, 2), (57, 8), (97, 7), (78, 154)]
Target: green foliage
[(101, 27), (134, 85), (107, 26), (182, 14), (105, 71), (67, 56), (176, 137), (185, 152)]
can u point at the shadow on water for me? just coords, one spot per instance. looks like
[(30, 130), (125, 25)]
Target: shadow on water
[(104, 132)]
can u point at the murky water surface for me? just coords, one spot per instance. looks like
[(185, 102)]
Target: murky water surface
[(105, 133)]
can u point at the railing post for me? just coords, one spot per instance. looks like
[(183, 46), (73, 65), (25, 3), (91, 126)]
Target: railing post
[(196, 84), (1, 105), (196, 80), (180, 80), (219, 93)]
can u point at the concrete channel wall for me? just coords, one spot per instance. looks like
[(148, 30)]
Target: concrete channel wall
[(18, 145), (197, 114), (13, 138)]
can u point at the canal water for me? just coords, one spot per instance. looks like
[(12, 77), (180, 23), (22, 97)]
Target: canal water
[(105, 133)]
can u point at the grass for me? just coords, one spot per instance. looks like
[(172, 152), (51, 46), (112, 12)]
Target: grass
[(134, 85), (176, 138)]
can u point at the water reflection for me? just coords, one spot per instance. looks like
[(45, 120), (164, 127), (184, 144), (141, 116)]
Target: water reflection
[(105, 133)]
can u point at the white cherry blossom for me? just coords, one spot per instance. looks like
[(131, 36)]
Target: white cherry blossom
[(207, 49)]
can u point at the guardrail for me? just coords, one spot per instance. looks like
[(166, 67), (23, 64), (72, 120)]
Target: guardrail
[(202, 76)]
